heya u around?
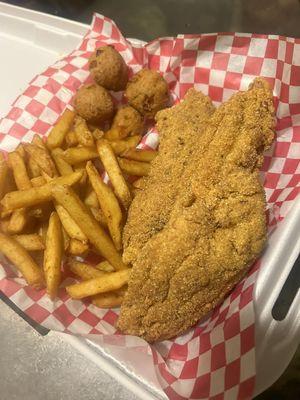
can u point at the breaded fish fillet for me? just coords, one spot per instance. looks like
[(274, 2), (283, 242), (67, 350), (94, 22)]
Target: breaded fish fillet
[(215, 225)]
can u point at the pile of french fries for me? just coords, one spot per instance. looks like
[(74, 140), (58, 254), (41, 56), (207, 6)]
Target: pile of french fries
[(55, 207)]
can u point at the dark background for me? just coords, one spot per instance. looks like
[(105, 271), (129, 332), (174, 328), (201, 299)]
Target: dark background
[(148, 19)]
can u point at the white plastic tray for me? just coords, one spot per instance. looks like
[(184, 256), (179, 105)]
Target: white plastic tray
[(27, 35)]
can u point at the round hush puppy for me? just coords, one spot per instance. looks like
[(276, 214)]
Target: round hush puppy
[(128, 121), (108, 68), (147, 92), (94, 103)]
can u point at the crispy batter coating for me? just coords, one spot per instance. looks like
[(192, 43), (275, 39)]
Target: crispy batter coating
[(129, 121), (94, 103), (108, 68), (148, 92), (214, 226)]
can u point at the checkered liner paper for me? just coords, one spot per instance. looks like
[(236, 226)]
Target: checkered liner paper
[(216, 359)]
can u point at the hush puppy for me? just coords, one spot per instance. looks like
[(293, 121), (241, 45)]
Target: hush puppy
[(108, 68), (128, 121), (147, 92), (94, 103)]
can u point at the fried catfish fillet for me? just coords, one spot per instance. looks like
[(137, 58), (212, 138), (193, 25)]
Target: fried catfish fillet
[(211, 226)]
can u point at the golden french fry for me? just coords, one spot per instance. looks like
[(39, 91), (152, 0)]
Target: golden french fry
[(59, 131), (83, 270), (19, 170), (38, 141), (97, 133), (66, 240), (82, 132), (18, 256), (110, 299), (99, 216), (75, 155), (38, 181), (106, 283), (30, 242), (53, 255), (132, 167), (20, 150), (4, 170), (115, 134), (69, 224), (109, 205), (81, 167), (17, 221), (91, 198), (77, 247), (71, 139), (34, 169), (63, 167), (119, 146), (114, 172), (105, 266), (140, 155), (65, 196), (42, 158), (138, 183), (36, 195)]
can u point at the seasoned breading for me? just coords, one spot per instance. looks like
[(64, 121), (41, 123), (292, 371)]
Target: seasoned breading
[(180, 128), (211, 226)]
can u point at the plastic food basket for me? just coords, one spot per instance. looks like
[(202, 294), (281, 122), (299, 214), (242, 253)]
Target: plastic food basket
[(46, 38)]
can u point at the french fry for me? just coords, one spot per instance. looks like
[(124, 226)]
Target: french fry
[(18, 256), (114, 172), (30, 242), (42, 159), (17, 221), (81, 167), (139, 155), (42, 231), (132, 167), (53, 255), (110, 299), (65, 196), (119, 146), (110, 281), (82, 132), (38, 181), (4, 170), (34, 169), (75, 155), (69, 224), (115, 134), (105, 266), (36, 195), (20, 150), (91, 198), (99, 216), (63, 167), (38, 141), (19, 170), (59, 131), (97, 133), (77, 247), (71, 139), (83, 270), (66, 240), (109, 205), (138, 183)]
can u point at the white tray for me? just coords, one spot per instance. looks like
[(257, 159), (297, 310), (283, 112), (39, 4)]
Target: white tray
[(27, 35)]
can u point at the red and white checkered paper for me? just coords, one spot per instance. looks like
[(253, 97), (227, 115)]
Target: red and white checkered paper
[(216, 359)]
